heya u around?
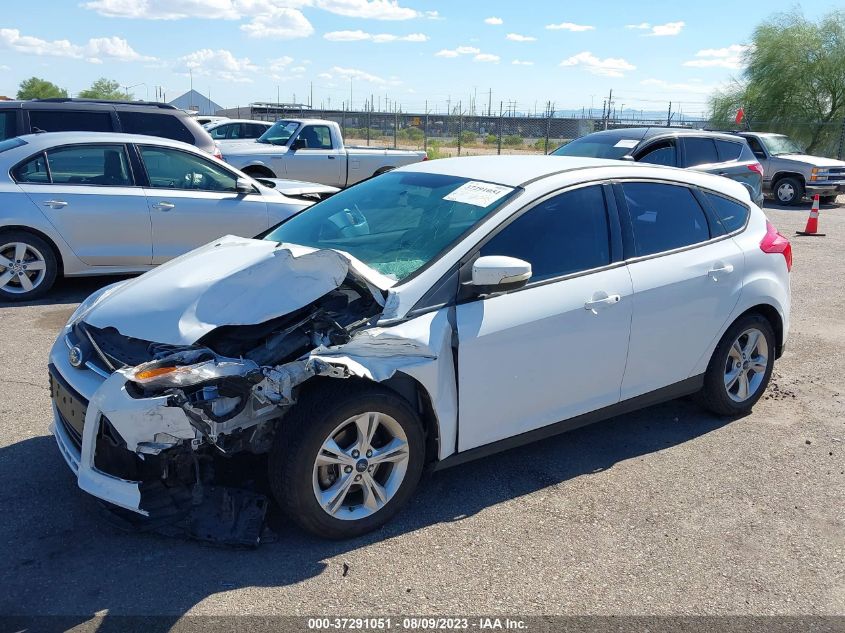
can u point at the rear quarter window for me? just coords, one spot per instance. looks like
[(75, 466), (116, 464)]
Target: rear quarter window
[(731, 214), (70, 121), (34, 170), (155, 124), (728, 150)]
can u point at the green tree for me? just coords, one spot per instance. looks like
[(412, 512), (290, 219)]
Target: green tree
[(512, 140), (37, 88), (105, 89), (793, 80)]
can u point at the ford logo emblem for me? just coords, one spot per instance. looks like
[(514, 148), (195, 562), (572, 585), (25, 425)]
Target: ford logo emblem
[(74, 355)]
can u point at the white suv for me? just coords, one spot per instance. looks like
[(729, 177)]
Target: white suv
[(437, 313)]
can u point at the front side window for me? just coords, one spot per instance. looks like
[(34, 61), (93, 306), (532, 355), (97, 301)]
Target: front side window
[(70, 121), (664, 217), (755, 146), (660, 154), (732, 214), (562, 235), (396, 223), (316, 137), (90, 165), (700, 151), (174, 169), (253, 130), (163, 125), (34, 171)]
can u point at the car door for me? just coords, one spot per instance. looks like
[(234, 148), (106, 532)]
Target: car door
[(89, 194), (555, 348), (687, 277), (193, 200), (314, 157)]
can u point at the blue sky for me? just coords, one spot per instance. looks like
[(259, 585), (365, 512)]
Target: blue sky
[(410, 51)]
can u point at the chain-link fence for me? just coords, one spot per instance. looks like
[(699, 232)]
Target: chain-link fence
[(446, 135)]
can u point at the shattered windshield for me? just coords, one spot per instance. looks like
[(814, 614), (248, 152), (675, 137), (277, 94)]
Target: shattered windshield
[(395, 223), (778, 145), (279, 133)]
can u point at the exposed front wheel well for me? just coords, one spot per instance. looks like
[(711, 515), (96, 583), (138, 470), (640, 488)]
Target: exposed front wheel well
[(771, 314), (259, 171), (786, 174), (382, 170)]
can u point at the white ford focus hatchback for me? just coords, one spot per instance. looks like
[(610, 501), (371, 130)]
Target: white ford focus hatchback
[(437, 313)]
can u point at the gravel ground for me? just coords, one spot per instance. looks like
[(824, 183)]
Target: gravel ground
[(666, 511)]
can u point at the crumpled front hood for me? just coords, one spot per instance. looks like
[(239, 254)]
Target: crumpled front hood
[(230, 281)]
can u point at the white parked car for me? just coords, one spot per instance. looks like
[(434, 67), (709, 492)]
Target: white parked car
[(314, 150), (440, 312), (92, 203), (236, 130)]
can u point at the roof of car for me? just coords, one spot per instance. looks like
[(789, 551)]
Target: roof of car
[(641, 133), (512, 171), (745, 132), (214, 124), (45, 140)]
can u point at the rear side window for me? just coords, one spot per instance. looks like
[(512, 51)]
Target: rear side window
[(254, 130), (220, 131), (7, 124), (732, 214), (565, 234), (660, 154), (664, 217), (154, 124), (728, 150), (34, 170), (105, 165), (700, 151), (70, 121)]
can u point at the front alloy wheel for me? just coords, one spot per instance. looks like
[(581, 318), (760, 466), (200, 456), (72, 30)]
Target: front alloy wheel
[(346, 457)]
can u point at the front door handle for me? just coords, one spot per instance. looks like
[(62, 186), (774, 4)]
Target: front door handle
[(718, 269), (55, 204), (600, 302), (331, 157), (163, 206)]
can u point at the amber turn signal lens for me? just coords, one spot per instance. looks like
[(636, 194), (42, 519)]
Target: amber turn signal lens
[(155, 372)]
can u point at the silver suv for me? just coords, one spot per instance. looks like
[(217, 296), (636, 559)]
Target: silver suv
[(711, 152), (790, 173)]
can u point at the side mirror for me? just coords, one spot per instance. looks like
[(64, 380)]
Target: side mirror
[(244, 185), (299, 143), (498, 273), (628, 157)]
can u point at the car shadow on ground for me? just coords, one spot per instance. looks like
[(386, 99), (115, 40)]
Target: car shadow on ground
[(68, 290), (63, 558)]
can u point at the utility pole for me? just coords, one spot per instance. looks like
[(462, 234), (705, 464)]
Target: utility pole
[(609, 106), (669, 115), (311, 98), (490, 103)]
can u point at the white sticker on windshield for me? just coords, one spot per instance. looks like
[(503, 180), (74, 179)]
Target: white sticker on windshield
[(479, 194), (627, 142)]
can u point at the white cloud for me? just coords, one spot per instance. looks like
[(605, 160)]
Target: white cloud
[(486, 57), (728, 57), (516, 37), (280, 24), (220, 63), (372, 9), (432, 15), (357, 75), (460, 50), (493, 20), (570, 26), (326, 76), (658, 30), (164, 9), (379, 38), (608, 67), (519, 62), (279, 63), (95, 50)]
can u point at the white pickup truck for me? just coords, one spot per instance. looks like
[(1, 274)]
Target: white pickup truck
[(312, 150)]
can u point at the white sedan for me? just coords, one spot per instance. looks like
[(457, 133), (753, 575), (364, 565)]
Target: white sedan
[(94, 203), (437, 313)]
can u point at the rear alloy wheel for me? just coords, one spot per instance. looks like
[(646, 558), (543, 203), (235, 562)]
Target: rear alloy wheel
[(789, 191), (740, 368), (27, 266), (346, 458)]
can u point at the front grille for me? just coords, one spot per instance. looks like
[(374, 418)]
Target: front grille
[(74, 435), (70, 405)]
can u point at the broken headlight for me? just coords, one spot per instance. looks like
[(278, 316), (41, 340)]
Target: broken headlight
[(168, 372)]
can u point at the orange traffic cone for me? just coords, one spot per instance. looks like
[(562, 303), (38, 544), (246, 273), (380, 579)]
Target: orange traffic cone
[(812, 228)]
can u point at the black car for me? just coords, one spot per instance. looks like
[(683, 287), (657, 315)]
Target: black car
[(712, 152), (89, 115)]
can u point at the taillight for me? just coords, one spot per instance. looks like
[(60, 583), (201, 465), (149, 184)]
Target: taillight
[(217, 153), (774, 242), (756, 167), (425, 158)]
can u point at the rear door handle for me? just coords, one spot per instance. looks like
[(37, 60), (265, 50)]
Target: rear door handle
[(163, 206), (594, 303), (718, 269), (55, 204), (331, 157)]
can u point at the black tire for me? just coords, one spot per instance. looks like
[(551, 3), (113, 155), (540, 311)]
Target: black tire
[(714, 395), (301, 434), (797, 189), (827, 199), (44, 282)]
